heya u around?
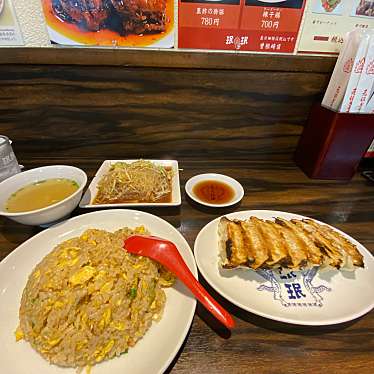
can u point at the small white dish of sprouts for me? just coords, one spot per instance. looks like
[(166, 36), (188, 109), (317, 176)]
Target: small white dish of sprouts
[(125, 183)]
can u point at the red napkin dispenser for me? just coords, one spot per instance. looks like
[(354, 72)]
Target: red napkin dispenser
[(332, 143)]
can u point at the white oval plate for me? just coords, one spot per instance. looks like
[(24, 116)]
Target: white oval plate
[(152, 354), (55, 36), (238, 188), (330, 296)]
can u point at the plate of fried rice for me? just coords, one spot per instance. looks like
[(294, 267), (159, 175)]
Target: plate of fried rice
[(73, 300)]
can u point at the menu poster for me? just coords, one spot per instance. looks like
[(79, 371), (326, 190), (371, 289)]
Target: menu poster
[(136, 23), (245, 25), (326, 23), (10, 33)]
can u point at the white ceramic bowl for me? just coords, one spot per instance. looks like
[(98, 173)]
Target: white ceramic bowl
[(233, 183), (50, 213)]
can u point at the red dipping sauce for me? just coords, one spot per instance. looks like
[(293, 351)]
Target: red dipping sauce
[(213, 192)]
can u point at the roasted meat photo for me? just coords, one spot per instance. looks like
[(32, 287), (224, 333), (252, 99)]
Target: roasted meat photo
[(140, 16), (87, 14), (123, 16)]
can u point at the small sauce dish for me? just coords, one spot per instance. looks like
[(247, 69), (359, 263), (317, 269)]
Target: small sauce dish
[(214, 190)]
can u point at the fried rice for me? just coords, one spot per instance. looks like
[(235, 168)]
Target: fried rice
[(89, 300)]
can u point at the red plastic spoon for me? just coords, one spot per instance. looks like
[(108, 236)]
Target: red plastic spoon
[(167, 254)]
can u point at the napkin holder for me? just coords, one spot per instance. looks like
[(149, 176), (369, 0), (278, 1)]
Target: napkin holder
[(332, 143)]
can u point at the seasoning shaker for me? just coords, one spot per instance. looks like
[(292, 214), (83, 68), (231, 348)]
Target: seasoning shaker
[(8, 161)]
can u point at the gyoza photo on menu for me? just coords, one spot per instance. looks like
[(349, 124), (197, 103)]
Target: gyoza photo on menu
[(298, 4)]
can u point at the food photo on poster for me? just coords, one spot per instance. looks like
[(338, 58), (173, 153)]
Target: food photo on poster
[(298, 4), (328, 7), (363, 8), (139, 23)]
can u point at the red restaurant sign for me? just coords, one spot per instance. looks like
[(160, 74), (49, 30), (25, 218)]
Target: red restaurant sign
[(246, 25)]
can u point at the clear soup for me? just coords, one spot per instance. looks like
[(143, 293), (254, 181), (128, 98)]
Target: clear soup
[(40, 194)]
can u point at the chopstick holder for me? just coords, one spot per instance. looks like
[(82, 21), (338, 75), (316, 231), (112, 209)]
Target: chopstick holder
[(333, 143)]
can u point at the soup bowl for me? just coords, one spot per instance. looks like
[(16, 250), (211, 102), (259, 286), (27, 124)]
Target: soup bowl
[(51, 213)]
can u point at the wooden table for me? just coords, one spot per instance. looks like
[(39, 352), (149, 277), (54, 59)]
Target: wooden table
[(259, 345)]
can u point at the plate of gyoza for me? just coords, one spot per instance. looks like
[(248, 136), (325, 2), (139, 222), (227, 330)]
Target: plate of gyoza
[(286, 267)]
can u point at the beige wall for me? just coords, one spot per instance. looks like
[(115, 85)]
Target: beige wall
[(31, 21)]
